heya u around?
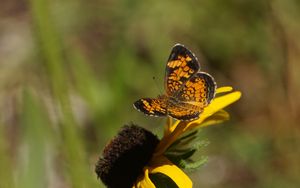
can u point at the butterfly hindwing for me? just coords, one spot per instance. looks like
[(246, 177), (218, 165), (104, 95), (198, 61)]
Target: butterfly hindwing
[(183, 111), (152, 107), (181, 65), (198, 90)]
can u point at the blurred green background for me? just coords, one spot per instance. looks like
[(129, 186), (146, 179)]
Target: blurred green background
[(70, 71)]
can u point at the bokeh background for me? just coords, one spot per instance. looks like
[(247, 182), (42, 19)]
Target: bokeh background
[(70, 71)]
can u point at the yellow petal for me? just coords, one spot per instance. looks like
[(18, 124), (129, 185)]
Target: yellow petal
[(217, 104), (214, 119), (168, 127), (224, 89), (168, 139), (163, 165), (221, 102), (144, 181)]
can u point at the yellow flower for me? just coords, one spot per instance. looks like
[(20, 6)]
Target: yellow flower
[(212, 114)]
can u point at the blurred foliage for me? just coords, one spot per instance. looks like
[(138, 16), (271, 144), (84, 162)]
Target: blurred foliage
[(70, 70)]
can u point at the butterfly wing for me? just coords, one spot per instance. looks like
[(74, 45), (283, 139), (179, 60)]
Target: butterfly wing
[(183, 111), (181, 65), (152, 107), (198, 90)]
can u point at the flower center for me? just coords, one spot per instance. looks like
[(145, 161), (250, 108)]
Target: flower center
[(125, 156)]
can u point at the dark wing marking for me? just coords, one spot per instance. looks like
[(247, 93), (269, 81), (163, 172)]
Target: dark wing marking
[(152, 107)]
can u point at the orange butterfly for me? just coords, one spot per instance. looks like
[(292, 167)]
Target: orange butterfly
[(188, 90)]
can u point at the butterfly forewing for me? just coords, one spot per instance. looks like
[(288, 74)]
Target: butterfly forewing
[(181, 65)]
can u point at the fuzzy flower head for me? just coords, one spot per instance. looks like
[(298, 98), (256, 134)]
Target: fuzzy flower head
[(125, 156)]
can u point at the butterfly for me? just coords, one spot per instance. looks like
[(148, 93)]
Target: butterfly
[(187, 90)]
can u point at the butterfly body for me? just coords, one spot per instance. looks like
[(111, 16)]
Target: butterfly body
[(188, 90)]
